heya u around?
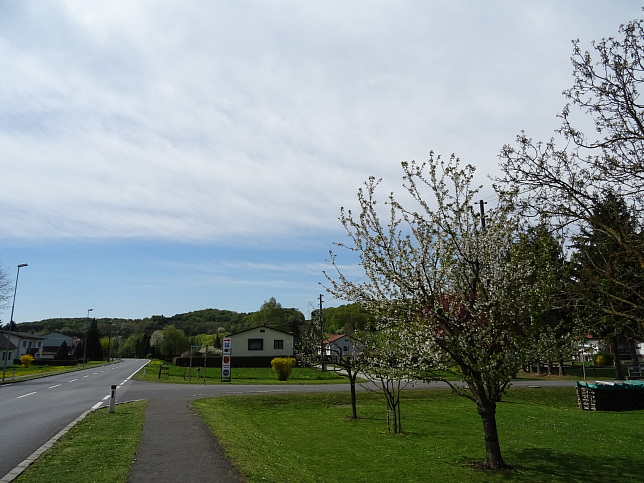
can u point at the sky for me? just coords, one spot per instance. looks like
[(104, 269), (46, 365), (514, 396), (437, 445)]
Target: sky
[(159, 157)]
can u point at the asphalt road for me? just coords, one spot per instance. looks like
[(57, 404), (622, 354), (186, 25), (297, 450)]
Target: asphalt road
[(32, 412)]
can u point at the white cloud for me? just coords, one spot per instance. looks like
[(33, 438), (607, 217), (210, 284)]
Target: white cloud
[(225, 120)]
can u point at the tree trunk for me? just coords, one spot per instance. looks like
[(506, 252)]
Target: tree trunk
[(352, 381), (619, 371), (562, 368), (493, 458)]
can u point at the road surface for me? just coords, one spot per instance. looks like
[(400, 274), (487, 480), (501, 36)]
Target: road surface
[(32, 412)]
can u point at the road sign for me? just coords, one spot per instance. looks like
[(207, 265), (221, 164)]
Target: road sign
[(225, 360)]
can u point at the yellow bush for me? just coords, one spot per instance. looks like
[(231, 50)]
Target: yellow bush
[(283, 366), (26, 360)]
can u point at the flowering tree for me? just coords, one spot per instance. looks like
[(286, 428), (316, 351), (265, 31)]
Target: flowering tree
[(453, 289), (383, 361)]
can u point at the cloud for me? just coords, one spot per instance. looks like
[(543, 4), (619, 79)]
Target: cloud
[(229, 121)]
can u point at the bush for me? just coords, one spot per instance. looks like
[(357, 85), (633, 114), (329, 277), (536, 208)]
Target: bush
[(603, 359), (26, 360), (283, 366)]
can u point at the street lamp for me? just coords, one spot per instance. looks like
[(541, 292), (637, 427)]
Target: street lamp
[(6, 349), (85, 344), (109, 345)]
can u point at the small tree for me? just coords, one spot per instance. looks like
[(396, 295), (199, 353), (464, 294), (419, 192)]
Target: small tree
[(351, 363), (283, 366), (384, 362), (26, 360)]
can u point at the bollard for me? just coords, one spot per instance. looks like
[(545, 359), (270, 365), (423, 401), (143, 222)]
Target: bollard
[(113, 398)]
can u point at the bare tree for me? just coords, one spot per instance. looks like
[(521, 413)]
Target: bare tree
[(6, 288)]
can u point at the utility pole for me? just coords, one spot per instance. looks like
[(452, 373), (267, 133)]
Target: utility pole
[(482, 210), (322, 361)]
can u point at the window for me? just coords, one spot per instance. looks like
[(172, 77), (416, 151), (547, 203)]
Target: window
[(24, 343), (255, 344), (278, 344)]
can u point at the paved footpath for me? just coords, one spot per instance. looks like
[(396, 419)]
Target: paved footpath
[(177, 445)]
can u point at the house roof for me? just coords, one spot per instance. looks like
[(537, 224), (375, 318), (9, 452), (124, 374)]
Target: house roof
[(333, 338), (261, 326), (3, 343), (23, 335)]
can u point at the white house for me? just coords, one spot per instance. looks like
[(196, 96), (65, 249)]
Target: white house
[(25, 343), (341, 345), (8, 350), (261, 341), (593, 344)]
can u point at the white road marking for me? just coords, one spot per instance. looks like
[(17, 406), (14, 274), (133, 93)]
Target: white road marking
[(25, 395), (51, 387)]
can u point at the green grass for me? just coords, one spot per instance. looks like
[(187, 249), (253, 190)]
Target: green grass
[(310, 438), (20, 372), (99, 449), (181, 375)]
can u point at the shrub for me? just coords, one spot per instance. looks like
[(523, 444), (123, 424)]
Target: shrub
[(603, 359), (26, 360), (283, 366)]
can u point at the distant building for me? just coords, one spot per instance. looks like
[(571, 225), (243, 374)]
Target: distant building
[(341, 345), (261, 341), (24, 343), (52, 343)]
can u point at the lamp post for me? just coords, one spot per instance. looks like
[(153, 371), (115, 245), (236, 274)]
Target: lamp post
[(13, 305), (109, 345), (86, 331)]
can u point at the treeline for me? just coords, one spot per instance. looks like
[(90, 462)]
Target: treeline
[(343, 319)]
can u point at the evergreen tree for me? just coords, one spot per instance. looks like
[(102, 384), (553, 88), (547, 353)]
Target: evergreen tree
[(94, 351), (609, 282), (62, 354)]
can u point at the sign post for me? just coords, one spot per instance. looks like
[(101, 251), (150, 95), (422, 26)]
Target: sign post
[(225, 360)]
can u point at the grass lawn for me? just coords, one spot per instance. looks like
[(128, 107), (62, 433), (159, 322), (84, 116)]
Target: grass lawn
[(310, 438), (20, 372), (185, 375), (99, 449)]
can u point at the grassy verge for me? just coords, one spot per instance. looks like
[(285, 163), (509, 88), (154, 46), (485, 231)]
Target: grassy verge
[(99, 449), (22, 373), (185, 375), (310, 438)]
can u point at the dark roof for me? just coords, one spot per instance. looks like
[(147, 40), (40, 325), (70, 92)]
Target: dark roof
[(23, 334), (3, 343), (259, 326)]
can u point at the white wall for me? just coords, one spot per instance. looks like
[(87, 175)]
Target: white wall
[(239, 343)]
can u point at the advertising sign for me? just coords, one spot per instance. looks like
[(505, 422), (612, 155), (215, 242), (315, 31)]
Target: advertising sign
[(225, 360)]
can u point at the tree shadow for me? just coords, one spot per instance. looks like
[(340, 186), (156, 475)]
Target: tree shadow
[(572, 467)]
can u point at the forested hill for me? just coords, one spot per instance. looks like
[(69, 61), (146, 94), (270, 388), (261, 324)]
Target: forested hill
[(192, 323), (344, 319)]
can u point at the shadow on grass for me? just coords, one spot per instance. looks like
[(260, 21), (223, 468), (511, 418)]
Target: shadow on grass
[(549, 465)]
